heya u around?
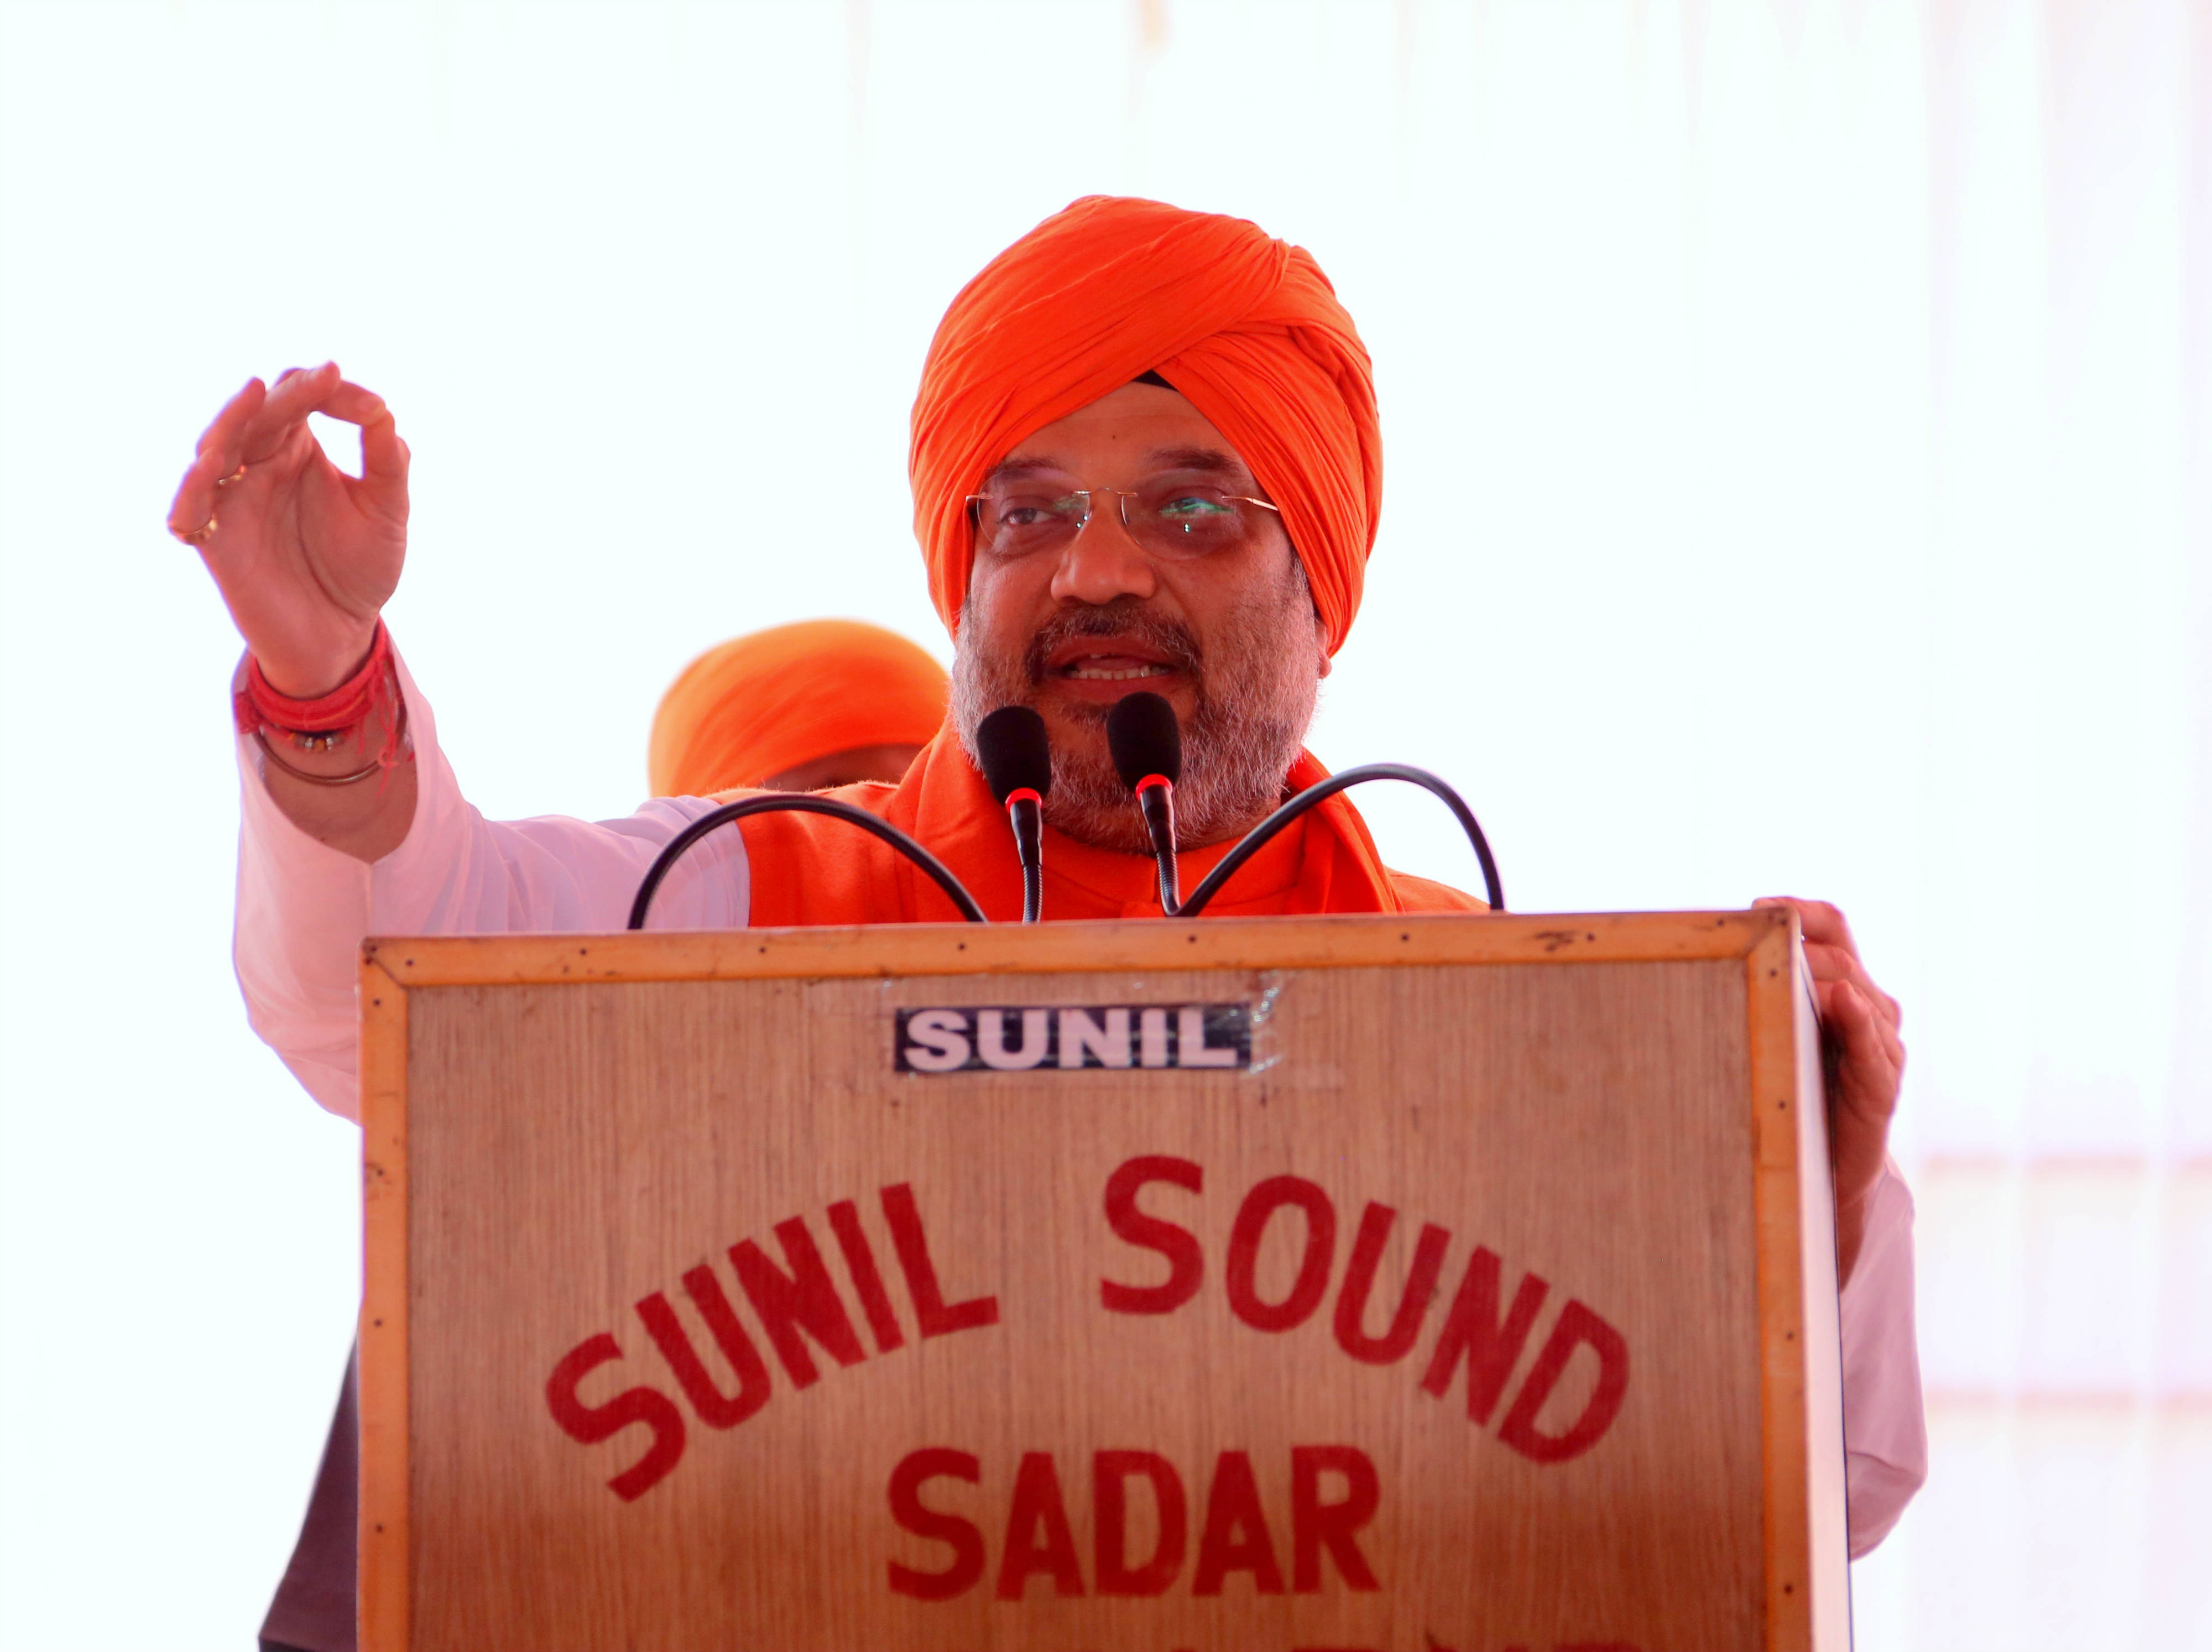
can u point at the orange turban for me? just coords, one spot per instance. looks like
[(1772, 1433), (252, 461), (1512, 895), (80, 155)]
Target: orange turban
[(757, 706), (1245, 327)]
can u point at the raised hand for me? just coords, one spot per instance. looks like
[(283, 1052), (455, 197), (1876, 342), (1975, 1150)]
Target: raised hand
[(305, 555), (1865, 1052)]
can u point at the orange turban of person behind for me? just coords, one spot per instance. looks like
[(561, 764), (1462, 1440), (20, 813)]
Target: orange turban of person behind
[(759, 706), (1245, 327)]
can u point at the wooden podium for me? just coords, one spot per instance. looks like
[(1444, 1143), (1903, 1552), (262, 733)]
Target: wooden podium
[(1361, 1282)]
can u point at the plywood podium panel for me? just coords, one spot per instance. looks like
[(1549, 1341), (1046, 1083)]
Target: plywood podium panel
[(1452, 1283)]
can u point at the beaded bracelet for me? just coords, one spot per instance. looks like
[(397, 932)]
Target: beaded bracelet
[(298, 774)]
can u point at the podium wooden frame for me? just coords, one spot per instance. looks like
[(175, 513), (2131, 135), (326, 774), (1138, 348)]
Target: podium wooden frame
[(420, 999)]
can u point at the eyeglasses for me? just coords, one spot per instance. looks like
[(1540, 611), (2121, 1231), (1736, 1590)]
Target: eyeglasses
[(1169, 516)]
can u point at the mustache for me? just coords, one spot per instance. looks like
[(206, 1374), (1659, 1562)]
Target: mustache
[(1124, 617)]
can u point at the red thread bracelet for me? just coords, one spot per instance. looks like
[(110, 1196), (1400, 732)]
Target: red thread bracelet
[(256, 706)]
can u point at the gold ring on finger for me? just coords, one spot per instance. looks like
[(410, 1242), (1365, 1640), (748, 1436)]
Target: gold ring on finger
[(198, 536), (237, 474)]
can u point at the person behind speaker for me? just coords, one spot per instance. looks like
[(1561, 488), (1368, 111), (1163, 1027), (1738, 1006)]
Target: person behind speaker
[(802, 708)]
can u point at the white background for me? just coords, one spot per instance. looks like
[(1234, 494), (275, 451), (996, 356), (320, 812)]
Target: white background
[(1797, 418)]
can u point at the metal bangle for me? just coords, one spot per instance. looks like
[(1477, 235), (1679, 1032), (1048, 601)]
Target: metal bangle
[(298, 774)]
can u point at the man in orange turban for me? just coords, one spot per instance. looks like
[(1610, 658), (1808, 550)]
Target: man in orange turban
[(1144, 454), (796, 708)]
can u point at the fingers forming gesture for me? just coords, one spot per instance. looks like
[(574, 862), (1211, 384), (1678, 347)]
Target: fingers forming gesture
[(305, 555)]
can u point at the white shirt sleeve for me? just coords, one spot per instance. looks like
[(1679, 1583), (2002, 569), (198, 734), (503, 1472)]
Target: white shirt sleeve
[(304, 908), (1885, 1429)]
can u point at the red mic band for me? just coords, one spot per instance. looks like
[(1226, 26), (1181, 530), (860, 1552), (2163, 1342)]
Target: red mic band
[(1150, 781), (375, 686), (1024, 794)]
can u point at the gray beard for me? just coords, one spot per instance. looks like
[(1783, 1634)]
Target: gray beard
[(1256, 688)]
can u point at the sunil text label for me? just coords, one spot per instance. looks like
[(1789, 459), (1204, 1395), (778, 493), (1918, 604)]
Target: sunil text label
[(1067, 1037)]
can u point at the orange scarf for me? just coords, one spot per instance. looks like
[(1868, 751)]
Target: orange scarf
[(808, 868)]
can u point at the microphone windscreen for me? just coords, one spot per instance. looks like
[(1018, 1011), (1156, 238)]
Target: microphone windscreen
[(1015, 753), (1142, 734)]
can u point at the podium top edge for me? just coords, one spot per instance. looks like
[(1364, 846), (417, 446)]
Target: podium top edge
[(894, 950)]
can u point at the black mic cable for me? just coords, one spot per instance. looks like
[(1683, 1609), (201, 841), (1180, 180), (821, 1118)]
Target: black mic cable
[(1256, 839), (1016, 759), (801, 803), (1146, 743)]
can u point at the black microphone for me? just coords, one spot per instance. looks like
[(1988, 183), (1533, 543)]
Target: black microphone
[(1017, 765), (1147, 746)]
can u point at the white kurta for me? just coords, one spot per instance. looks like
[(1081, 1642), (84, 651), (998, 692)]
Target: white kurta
[(303, 910)]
